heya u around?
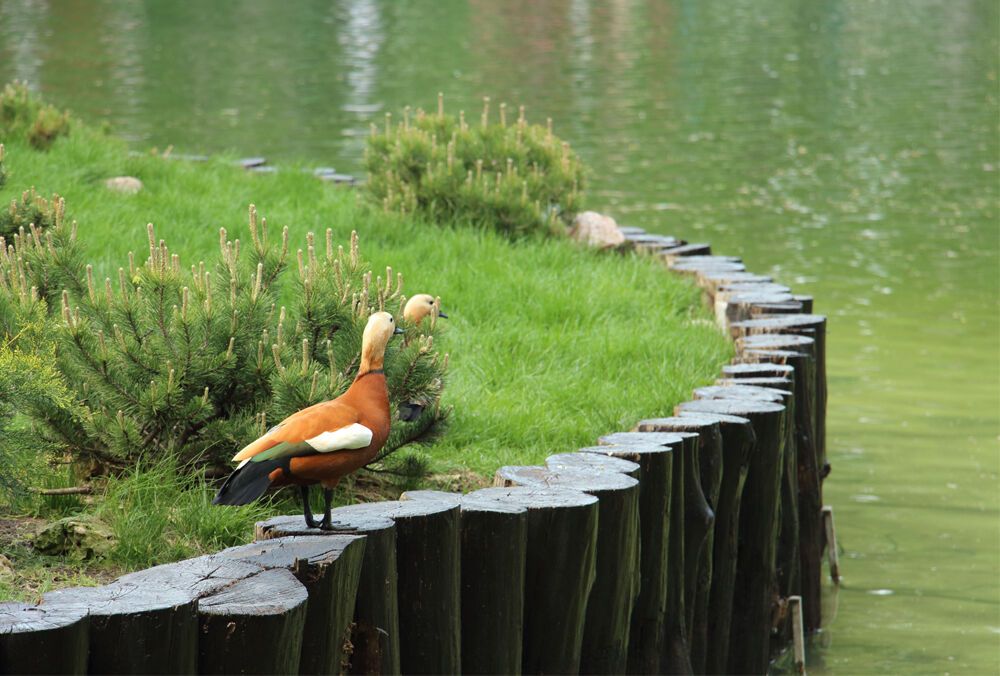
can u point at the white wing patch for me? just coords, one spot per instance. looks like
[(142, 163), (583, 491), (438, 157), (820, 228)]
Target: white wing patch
[(354, 435)]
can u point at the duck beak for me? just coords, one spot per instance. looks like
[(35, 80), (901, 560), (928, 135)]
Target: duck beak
[(442, 315), (397, 332)]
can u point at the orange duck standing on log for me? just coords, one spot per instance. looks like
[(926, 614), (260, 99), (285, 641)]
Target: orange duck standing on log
[(325, 442)]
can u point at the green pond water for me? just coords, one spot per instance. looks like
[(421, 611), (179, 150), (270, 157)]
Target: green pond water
[(848, 148)]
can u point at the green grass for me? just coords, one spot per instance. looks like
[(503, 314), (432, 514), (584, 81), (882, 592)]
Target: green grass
[(551, 344)]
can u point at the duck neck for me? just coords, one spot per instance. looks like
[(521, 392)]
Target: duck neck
[(371, 359)]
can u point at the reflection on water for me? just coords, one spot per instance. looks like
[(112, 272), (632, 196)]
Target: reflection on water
[(850, 148)]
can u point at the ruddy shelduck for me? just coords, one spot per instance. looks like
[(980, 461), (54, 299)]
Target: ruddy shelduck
[(325, 442), (420, 306)]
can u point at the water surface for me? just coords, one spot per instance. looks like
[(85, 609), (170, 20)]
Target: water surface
[(849, 148)]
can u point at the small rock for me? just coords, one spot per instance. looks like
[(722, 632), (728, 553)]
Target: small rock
[(251, 162), (595, 229), (128, 185), (81, 538)]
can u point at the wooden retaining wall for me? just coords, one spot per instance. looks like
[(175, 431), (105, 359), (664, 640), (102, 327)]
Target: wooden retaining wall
[(676, 547)]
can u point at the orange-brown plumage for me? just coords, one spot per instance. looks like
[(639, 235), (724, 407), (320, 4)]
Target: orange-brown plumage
[(325, 442)]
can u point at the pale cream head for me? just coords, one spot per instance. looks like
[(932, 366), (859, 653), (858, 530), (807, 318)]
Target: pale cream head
[(420, 306), (380, 328)]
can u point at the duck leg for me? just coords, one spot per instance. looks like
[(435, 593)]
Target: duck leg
[(327, 517), (306, 509)]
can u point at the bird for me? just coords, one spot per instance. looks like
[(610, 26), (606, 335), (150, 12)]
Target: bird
[(420, 306), (323, 443), (415, 311)]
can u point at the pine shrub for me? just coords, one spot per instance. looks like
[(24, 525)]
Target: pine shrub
[(193, 363), (31, 210), (519, 178), (23, 115)]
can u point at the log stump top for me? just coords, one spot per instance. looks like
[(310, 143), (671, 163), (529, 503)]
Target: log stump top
[(654, 424), (23, 618), (754, 287), (772, 341), (581, 479), (717, 277), (535, 497), (737, 407), (270, 592), (468, 502), (117, 598), (642, 438), (195, 577), (700, 264), (285, 552), (776, 323), (740, 391), (584, 460), (627, 450), (674, 423)]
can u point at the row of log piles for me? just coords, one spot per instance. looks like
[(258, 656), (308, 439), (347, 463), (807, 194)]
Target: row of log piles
[(780, 366), (238, 611)]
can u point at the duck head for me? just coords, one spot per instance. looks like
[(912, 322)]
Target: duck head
[(422, 305), (380, 329)]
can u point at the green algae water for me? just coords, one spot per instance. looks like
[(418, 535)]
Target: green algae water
[(848, 148)]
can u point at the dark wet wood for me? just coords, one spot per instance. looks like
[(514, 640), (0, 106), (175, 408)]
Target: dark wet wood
[(494, 540), (758, 370), (688, 512), (612, 597), (810, 497), (648, 625), (698, 572), (427, 566), (40, 640), (329, 568), (755, 587), (560, 567), (813, 326), (375, 635), (254, 626), (788, 564)]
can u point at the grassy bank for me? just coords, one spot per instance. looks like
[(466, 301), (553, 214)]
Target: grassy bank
[(551, 345)]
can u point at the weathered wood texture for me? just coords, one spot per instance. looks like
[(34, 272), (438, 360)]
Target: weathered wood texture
[(375, 634), (591, 461), (254, 626), (787, 562), (494, 540), (560, 568), (699, 571), (689, 515), (616, 585), (813, 326), (648, 625), (755, 586), (768, 349), (329, 568), (40, 640), (147, 621)]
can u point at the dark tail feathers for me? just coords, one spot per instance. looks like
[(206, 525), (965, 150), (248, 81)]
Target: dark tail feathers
[(248, 483)]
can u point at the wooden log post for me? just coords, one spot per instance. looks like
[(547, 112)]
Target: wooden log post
[(754, 593), (813, 326), (795, 352), (375, 634), (743, 305), (709, 466), (329, 568), (560, 565), (427, 569), (711, 280), (147, 621), (737, 441), (690, 519), (616, 585), (254, 626), (788, 558), (40, 640), (672, 253), (655, 475), (494, 540)]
